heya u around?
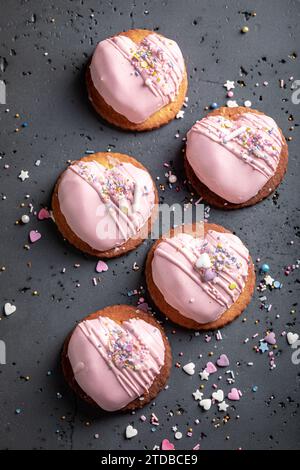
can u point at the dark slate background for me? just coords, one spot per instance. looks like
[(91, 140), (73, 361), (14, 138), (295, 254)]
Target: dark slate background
[(48, 92)]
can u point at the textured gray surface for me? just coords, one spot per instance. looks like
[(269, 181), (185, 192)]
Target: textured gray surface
[(48, 92)]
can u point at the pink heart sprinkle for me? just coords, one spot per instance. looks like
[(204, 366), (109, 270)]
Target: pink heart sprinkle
[(234, 395), (144, 307), (270, 338), (34, 236), (223, 361), (167, 445), (101, 267), (210, 368), (43, 214)]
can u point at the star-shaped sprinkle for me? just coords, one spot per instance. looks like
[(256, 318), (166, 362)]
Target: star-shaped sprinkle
[(197, 395), (229, 85), (204, 375), (269, 280), (174, 428), (180, 114), (24, 175), (263, 347), (223, 406)]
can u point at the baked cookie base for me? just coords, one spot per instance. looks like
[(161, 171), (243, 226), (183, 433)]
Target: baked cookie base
[(233, 312), (158, 119), (74, 240), (121, 313), (217, 201)]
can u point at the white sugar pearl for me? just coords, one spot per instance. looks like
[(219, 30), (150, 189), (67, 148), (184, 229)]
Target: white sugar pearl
[(172, 179), (25, 219), (148, 82), (248, 104)]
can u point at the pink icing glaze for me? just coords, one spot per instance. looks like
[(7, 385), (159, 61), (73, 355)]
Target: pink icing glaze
[(185, 287), (238, 168), (137, 80), (103, 206), (115, 364)]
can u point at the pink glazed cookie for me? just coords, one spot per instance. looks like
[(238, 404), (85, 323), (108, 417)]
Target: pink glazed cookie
[(117, 358), (235, 157), (137, 80), (201, 276), (105, 204)]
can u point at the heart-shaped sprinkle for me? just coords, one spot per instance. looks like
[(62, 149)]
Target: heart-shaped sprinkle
[(234, 395), (223, 361), (270, 338), (205, 404), (167, 445), (189, 368), (203, 262), (43, 214), (101, 267), (209, 275), (144, 306), (34, 236), (210, 368), (292, 338), (131, 432), (218, 396), (9, 309)]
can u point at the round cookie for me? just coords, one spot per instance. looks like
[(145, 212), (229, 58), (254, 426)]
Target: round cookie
[(235, 157), (117, 358), (137, 80), (105, 204), (200, 276)]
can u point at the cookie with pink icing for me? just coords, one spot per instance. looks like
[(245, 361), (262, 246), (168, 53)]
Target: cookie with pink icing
[(200, 276), (117, 358), (105, 204), (235, 157), (137, 80)]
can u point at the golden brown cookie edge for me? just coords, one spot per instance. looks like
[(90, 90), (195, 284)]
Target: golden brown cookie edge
[(74, 240), (212, 198), (121, 313), (171, 313), (158, 119)]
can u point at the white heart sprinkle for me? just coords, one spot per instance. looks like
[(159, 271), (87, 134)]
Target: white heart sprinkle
[(9, 309), (205, 404), (203, 261), (218, 396), (292, 338), (189, 368), (131, 431)]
